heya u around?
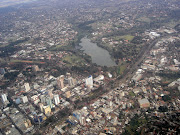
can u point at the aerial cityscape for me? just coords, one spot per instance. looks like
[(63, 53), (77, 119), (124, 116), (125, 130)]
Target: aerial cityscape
[(89, 67)]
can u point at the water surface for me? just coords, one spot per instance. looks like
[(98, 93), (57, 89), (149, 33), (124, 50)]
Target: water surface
[(99, 55)]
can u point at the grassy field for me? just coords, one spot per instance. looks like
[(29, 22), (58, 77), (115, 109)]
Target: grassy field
[(125, 37), (66, 47), (74, 60), (144, 19), (121, 68)]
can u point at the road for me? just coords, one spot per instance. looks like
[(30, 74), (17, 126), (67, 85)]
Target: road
[(131, 69)]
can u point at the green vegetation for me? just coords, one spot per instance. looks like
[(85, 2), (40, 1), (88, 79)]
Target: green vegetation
[(144, 19), (135, 122), (163, 109), (121, 69), (11, 75), (56, 47), (131, 94), (169, 76), (124, 37), (73, 60), (62, 48), (127, 37), (166, 98), (137, 40)]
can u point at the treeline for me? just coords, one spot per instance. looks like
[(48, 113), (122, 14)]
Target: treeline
[(169, 75)]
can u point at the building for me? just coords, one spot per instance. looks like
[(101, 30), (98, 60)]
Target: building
[(56, 99), (49, 102), (60, 82), (4, 98), (144, 103), (89, 81), (70, 81), (68, 75), (35, 68), (24, 99), (41, 107), (35, 99), (50, 93), (27, 87), (27, 123), (99, 78), (68, 94), (82, 121), (47, 110), (136, 77), (43, 99)]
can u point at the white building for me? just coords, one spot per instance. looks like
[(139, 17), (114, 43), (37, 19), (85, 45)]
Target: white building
[(60, 82), (56, 99), (82, 120), (89, 81), (35, 99), (24, 99), (4, 98), (27, 87), (99, 78), (70, 81)]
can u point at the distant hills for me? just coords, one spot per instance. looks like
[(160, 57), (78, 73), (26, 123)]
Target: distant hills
[(6, 3)]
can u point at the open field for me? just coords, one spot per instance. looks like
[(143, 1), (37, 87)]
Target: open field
[(121, 69), (125, 37), (74, 60), (144, 19)]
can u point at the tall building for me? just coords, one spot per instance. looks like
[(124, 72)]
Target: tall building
[(68, 94), (47, 110), (27, 87), (89, 81), (49, 102), (70, 81), (82, 121), (50, 93), (41, 106), (4, 98), (43, 99), (60, 82), (56, 99)]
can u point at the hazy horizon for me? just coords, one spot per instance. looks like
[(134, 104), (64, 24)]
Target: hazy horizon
[(6, 3)]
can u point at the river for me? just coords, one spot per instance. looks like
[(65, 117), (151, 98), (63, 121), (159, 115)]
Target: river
[(99, 55)]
